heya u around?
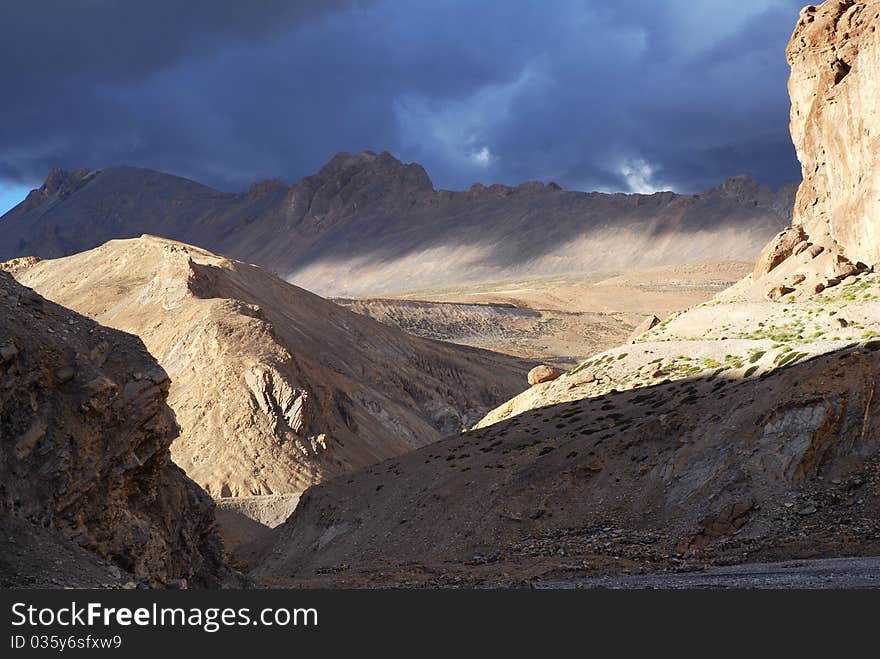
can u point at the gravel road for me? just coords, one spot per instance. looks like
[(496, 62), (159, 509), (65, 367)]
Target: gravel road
[(818, 573)]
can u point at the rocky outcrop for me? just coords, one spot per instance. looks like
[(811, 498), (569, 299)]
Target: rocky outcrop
[(351, 182), (778, 292), (834, 85), (368, 224), (785, 244), (648, 323), (275, 389), (58, 186), (835, 125), (84, 445)]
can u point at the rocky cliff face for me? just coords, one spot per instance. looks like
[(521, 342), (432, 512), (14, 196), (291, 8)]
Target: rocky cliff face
[(85, 433), (835, 114), (274, 388), (367, 223)]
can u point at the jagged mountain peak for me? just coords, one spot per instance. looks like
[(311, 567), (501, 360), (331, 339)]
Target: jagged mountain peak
[(368, 165), (59, 183)]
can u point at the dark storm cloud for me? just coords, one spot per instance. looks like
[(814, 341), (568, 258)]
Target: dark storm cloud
[(68, 66), (623, 95)]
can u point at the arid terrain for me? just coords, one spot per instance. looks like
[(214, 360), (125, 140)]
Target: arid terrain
[(88, 492), (705, 413), (560, 320), (756, 441)]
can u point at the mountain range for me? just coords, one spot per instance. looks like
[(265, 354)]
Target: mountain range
[(370, 224)]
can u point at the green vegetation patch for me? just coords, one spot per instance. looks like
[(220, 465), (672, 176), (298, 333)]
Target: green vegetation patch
[(756, 356)]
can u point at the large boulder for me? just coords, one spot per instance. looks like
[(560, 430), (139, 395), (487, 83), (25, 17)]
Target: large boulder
[(777, 250), (842, 267), (543, 373)]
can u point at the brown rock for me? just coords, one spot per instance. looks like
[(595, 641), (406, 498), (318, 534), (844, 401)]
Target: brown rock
[(798, 279), (842, 267), (815, 250), (777, 250), (647, 324), (581, 378), (65, 374), (8, 351), (777, 292), (543, 373), (802, 247)]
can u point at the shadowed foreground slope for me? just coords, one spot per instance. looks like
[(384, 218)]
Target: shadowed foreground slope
[(781, 466)]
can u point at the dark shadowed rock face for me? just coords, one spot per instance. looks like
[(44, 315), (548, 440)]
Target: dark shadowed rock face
[(58, 186), (84, 437), (370, 223)]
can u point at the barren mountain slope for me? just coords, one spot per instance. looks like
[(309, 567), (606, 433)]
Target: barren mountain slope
[(739, 334), (84, 460), (742, 429), (274, 388), (696, 470), (369, 224)]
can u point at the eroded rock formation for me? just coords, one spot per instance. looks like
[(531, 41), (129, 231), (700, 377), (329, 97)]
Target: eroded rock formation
[(835, 125)]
